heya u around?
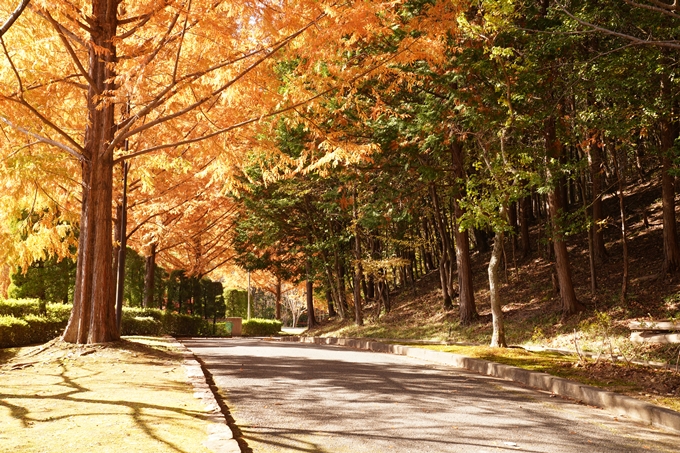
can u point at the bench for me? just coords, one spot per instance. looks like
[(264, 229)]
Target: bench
[(655, 331)]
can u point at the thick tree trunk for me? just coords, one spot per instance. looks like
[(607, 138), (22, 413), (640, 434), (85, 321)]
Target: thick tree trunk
[(671, 264), (150, 276), (93, 315), (570, 305), (498, 335), (468, 309)]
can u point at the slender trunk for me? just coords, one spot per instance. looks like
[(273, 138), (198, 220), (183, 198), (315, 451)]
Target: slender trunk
[(358, 311), (93, 316), (329, 302), (591, 251), (311, 319), (624, 235), (498, 335), (445, 259), (524, 219), (150, 276), (358, 271)]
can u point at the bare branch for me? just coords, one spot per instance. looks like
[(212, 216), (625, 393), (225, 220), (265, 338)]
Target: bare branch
[(42, 139), (14, 69), (258, 118), (70, 50), (181, 42), (665, 11), (63, 29), (128, 133), (637, 41), (666, 6), (14, 16)]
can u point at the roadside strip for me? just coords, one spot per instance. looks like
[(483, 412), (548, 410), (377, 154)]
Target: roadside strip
[(618, 404)]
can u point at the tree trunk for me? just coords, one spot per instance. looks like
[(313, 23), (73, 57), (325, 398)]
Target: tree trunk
[(671, 264), (358, 273), (591, 251), (150, 276), (93, 316), (311, 319), (595, 165), (445, 259), (498, 336), (468, 309), (624, 235), (570, 305), (358, 270), (524, 220)]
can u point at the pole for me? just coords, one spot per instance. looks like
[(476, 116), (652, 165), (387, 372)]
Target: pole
[(248, 294)]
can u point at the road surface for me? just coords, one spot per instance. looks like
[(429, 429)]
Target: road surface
[(291, 397)]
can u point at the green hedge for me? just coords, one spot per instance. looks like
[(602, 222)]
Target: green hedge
[(22, 307), (257, 327), (24, 322), (30, 329)]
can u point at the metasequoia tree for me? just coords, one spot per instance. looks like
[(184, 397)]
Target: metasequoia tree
[(96, 82)]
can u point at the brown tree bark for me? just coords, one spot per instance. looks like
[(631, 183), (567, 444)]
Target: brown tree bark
[(671, 263), (524, 219), (595, 164), (358, 270), (468, 309), (445, 242), (570, 304), (93, 316)]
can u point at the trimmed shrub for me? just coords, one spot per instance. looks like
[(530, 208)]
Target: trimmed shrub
[(29, 321), (257, 327), (31, 329), (141, 325), (21, 307), (60, 312)]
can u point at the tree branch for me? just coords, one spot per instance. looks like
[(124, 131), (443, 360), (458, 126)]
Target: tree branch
[(642, 42), (665, 11), (70, 50), (42, 139), (128, 133), (258, 118), (13, 17)]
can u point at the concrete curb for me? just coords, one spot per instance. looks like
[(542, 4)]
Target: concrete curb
[(220, 437), (615, 403)]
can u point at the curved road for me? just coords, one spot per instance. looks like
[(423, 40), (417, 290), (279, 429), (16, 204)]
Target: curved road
[(291, 397)]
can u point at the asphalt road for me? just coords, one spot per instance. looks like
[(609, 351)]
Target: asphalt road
[(291, 397)]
